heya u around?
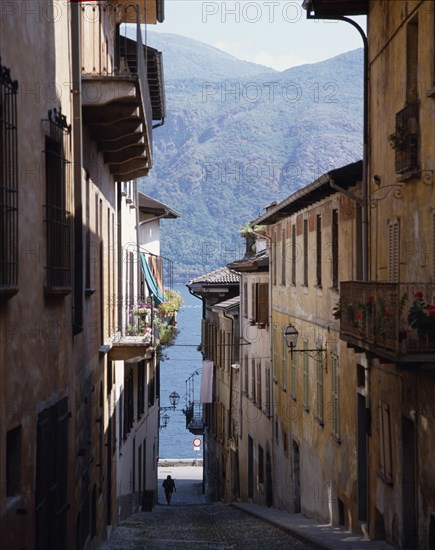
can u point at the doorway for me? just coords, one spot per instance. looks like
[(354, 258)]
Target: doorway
[(296, 478), (409, 498)]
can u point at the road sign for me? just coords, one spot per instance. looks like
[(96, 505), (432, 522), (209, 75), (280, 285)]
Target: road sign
[(197, 442)]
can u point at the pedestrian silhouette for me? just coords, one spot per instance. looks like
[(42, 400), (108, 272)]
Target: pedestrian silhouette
[(169, 487)]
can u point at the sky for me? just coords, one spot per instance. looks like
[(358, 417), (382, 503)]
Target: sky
[(274, 33)]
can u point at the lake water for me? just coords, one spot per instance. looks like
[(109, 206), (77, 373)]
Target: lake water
[(181, 361)]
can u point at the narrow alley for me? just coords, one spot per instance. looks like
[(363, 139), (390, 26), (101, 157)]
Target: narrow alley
[(189, 522)]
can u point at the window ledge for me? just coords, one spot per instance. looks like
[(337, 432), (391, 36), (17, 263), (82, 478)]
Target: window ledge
[(431, 92), (306, 408), (320, 422), (7, 292), (406, 176), (89, 292), (336, 438), (384, 478), (57, 292)]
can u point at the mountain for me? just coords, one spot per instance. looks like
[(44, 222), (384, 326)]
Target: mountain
[(238, 136)]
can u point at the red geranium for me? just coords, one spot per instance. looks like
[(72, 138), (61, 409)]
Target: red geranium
[(418, 294)]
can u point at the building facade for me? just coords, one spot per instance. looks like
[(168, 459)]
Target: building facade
[(76, 118), (389, 316)]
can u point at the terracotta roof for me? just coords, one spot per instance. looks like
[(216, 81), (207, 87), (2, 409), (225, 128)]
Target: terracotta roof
[(220, 276), (345, 177), (226, 305), (148, 205)]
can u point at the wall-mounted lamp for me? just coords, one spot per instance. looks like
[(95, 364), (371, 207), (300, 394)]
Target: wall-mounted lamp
[(174, 398), (291, 337)]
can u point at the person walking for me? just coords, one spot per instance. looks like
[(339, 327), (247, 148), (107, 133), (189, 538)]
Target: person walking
[(169, 487)]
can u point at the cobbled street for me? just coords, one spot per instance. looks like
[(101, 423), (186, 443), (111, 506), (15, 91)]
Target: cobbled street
[(190, 524), (200, 527)]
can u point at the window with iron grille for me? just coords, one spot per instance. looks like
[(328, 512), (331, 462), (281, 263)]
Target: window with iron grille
[(8, 183), (405, 140), (57, 216)]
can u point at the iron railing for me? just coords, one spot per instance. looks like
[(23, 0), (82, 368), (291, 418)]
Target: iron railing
[(389, 319), (406, 141)]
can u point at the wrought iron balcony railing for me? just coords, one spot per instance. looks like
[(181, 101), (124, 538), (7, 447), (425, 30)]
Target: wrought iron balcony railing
[(395, 321), (405, 139)]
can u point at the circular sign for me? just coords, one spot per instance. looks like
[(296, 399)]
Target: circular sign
[(197, 442)]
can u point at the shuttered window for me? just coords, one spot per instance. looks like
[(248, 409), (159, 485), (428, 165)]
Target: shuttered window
[(305, 252), (393, 251), (306, 378), (259, 400), (335, 251), (319, 251), (319, 402), (262, 303), (293, 254), (253, 384), (246, 375), (283, 363), (335, 396), (275, 352), (293, 375), (283, 258), (245, 299), (268, 397)]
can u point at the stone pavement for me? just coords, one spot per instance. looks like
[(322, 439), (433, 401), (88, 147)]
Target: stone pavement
[(191, 523)]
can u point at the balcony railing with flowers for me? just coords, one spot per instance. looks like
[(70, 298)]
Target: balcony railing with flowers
[(393, 320)]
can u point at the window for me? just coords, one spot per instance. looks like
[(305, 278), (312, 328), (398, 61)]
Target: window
[(13, 462), (393, 251), (306, 378), (293, 254), (335, 396), (305, 252), (283, 257), (260, 303), (319, 251), (385, 457), (274, 255), (293, 375), (284, 353), (258, 394), (57, 217), (275, 352), (433, 244), (8, 183), (267, 404), (253, 383), (260, 464), (319, 403), (246, 375), (245, 299), (412, 61), (128, 403), (140, 388), (334, 248)]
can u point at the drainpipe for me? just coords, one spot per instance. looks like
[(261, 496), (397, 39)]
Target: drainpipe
[(161, 123), (364, 194), (76, 91), (230, 414)]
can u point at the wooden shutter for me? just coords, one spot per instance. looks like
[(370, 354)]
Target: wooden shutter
[(283, 362), (335, 397), (262, 303)]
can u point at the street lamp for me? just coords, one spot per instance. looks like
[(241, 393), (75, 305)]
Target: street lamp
[(165, 419), (174, 398), (291, 337)]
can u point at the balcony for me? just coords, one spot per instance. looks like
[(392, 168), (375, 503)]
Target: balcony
[(405, 140), (118, 106), (194, 418), (394, 321)]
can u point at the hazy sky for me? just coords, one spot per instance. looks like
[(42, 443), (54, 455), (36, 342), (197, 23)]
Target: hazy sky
[(270, 32)]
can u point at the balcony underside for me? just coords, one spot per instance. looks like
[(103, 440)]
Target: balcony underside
[(389, 355), (131, 348), (114, 113), (331, 8)]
